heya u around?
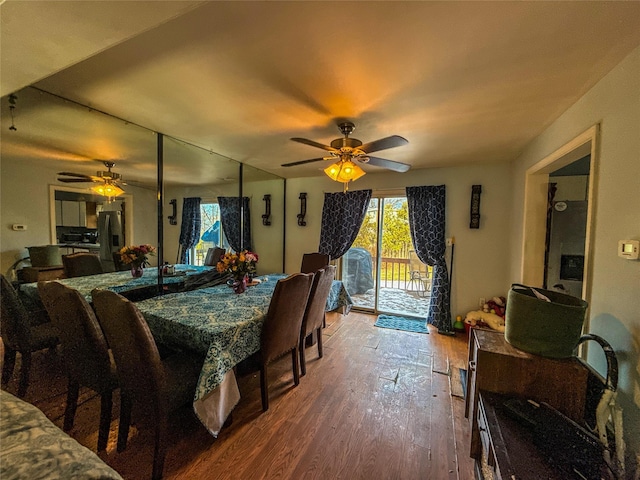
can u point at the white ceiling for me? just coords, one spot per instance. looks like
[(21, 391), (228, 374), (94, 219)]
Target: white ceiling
[(464, 82)]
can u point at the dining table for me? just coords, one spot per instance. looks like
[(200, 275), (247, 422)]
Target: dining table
[(222, 326), (118, 282)]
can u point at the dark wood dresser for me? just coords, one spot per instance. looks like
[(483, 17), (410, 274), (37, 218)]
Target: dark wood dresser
[(498, 367), (511, 449)]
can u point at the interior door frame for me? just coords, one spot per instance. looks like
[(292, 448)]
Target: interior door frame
[(535, 208), (128, 212)]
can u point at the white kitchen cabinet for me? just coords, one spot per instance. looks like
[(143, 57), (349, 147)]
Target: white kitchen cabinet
[(74, 214), (59, 213)]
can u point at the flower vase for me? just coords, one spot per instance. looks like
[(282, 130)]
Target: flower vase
[(239, 285), (137, 271)]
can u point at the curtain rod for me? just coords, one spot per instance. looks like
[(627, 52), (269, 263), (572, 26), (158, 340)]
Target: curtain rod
[(129, 122)]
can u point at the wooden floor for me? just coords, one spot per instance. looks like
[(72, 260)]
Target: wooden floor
[(375, 407)]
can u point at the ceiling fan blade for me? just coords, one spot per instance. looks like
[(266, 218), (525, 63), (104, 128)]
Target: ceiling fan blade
[(383, 144), (388, 164), (301, 162), (314, 144), (75, 180), (71, 174)]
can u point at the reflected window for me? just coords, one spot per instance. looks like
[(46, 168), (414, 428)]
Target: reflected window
[(211, 234)]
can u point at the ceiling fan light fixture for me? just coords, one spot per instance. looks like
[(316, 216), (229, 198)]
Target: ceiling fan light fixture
[(344, 171), (107, 189)]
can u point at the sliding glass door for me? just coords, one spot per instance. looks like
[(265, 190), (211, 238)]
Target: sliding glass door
[(380, 270)]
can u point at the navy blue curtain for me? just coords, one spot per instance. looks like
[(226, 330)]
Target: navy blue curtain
[(233, 211), (427, 223), (190, 228), (342, 216)]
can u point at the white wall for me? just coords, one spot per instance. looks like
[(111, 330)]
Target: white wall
[(480, 256), (614, 103), (25, 199)]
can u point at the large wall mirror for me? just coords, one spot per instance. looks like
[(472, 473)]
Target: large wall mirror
[(191, 171), (265, 192), (56, 135)]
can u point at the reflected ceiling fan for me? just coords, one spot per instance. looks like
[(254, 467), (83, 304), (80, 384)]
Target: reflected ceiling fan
[(345, 150), (108, 183)]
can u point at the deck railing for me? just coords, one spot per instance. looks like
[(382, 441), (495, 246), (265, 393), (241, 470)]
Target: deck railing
[(394, 272)]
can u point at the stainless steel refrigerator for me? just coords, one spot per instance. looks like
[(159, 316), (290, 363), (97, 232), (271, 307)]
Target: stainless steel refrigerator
[(565, 266), (110, 237)]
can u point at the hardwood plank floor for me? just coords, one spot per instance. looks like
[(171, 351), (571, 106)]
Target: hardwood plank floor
[(375, 407)]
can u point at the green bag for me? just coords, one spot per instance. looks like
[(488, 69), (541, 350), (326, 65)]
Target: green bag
[(45, 256), (543, 322)]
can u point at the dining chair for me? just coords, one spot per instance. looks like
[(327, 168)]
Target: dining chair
[(118, 264), (81, 264), (281, 329), (20, 336), (85, 352), (159, 385), (419, 275), (313, 319), (213, 256), (312, 262)]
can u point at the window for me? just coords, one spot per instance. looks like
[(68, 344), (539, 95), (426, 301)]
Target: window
[(211, 234)]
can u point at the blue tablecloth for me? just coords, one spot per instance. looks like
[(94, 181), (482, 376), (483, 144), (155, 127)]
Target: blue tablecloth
[(115, 281), (33, 447), (215, 321), (219, 323)]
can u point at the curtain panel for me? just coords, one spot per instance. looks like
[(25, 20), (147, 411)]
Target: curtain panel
[(233, 210), (427, 224), (190, 227), (342, 216)]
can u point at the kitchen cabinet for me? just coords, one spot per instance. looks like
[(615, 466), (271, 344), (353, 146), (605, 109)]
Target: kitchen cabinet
[(58, 213), (72, 214)]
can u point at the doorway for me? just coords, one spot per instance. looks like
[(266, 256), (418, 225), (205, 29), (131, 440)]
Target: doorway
[(536, 249), (381, 271), (566, 227)]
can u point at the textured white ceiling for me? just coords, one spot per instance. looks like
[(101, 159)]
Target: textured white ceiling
[(464, 82)]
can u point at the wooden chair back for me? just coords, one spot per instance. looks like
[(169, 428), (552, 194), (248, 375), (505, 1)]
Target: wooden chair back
[(119, 265), (314, 313), (159, 385), (213, 256), (14, 321), (84, 350), (134, 349), (81, 264), (84, 347), (21, 336), (281, 329), (312, 262), (313, 319)]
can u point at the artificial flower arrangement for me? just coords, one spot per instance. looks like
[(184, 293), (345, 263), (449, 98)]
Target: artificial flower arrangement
[(137, 255), (239, 265)]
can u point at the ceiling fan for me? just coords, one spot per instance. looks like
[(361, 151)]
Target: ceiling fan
[(345, 150), (108, 182)]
